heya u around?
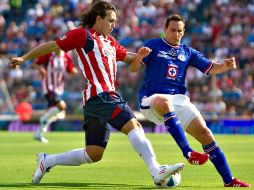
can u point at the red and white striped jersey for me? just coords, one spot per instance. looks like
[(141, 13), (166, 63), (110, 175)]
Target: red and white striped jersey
[(98, 55), (55, 66)]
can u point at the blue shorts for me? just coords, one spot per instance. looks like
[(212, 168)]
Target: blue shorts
[(53, 98), (102, 111)]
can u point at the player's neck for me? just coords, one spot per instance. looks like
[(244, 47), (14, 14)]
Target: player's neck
[(170, 44)]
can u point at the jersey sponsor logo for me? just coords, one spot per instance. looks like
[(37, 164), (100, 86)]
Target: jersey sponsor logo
[(108, 50), (163, 54), (107, 53), (172, 54), (172, 71)]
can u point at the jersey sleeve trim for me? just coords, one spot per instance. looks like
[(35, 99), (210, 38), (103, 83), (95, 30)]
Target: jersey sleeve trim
[(208, 68)]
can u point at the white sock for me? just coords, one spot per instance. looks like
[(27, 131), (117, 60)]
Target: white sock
[(57, 116), (74, 157), (143, 147), (45, 120), (61, 114)]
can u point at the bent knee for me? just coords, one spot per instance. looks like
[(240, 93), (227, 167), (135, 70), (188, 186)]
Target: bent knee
[(95, 153), (96, 158), (131, 124), (162, 105), (61, 105)]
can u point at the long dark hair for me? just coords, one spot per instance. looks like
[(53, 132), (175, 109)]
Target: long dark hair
[(98, 9)]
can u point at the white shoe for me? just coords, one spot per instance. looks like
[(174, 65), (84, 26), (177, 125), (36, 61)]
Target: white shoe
[(165, 171), (41, 169), (38, 136), (43, 140)]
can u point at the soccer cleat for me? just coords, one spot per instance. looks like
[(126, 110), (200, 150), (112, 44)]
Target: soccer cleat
[(165, 171), (41, 169), (38, 136), (197, 158), (237, 183)]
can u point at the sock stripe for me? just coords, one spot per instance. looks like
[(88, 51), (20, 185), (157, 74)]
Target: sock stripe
[(167, 118), (211, 148), (174, 127), (219, 161)]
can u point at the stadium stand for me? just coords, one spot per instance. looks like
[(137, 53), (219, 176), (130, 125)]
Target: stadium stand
[(219, 29)]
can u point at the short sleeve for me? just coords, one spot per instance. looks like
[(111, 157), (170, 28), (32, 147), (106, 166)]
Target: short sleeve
[(73, 39), (120, 52), (198, 61)]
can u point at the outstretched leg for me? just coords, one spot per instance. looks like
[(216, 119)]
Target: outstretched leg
[(200, 131), (97, 137), (74, 157), (143, 147)]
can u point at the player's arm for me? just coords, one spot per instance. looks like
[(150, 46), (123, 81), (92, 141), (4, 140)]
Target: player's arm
[(136, 62), (76, 38), (228, 64), (129, 57), (34, 53), (74, 71)]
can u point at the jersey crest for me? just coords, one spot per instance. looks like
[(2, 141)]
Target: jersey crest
[(172, 71), (182, 57)]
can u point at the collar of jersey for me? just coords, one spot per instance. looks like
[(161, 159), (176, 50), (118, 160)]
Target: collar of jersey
[(96, 33), (170, 44)]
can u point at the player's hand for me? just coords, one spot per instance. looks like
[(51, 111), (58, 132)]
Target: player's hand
[(16, 61), (230, 63), (143, 52)]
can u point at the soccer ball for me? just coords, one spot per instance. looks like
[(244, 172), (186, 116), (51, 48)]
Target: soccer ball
[(170, 182)]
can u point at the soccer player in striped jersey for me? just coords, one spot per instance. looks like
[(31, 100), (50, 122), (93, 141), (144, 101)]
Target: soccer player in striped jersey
[(162, 94), (52, 68), (98, 54)]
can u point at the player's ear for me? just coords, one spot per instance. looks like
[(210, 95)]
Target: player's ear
[(98, 18), (165, 28)]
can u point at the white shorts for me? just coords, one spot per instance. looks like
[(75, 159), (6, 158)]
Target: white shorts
[(184, 109)]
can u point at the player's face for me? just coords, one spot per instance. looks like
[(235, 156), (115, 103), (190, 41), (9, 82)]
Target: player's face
[(106, 25), (174, 32)]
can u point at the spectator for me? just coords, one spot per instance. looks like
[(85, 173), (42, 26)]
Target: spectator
[(139, 20)]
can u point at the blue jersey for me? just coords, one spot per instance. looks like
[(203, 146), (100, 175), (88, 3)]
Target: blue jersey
[(166, 67)]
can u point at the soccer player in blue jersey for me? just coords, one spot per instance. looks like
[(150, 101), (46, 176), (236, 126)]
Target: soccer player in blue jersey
[(162, 94)]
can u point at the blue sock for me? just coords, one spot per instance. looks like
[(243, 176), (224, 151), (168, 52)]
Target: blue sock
[(174, 128), (219, 161)]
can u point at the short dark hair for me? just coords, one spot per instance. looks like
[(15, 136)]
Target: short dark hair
[(100, 8), (174, 17)]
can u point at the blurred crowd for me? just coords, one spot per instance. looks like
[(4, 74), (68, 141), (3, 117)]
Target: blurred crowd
[(219, 29)]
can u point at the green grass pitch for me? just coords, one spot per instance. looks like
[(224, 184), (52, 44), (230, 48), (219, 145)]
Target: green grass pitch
[(120, 168)]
